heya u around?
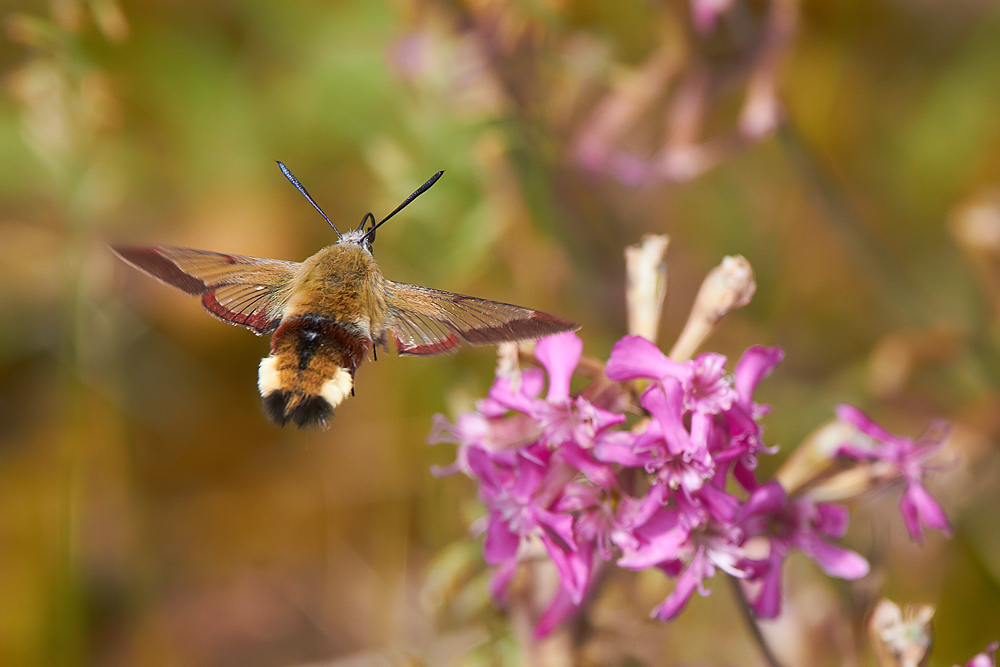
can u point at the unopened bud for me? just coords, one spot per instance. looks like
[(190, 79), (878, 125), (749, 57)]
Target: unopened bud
[(646, 284), (728, 286), (976, 229), (814, 459)]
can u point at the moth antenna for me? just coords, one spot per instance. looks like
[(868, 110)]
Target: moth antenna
[(294, 181), (416, 193)]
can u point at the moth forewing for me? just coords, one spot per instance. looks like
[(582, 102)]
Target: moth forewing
[(241, 290), (426, 322)]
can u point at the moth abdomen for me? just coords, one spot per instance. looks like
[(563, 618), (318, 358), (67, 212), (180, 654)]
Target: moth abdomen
[(310, 370)]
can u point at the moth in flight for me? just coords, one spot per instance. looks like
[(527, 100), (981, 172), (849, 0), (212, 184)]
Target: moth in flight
[(327, 312)]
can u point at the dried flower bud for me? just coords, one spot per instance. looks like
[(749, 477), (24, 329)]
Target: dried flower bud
[(110, 19), (727, 287), (901, 638), (814, 461), (646, 284), (896, 356)]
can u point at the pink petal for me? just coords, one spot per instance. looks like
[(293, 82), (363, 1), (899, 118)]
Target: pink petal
[(504, 394), (501, 543), (600, 418), (617, 447), (859, 452), (559, 610), (705, 12), (983, 659), (693, 576), (864, 423), (919, 507), (635, 357), (557, 525), (767, 499), (662, 539), (654, 499), (598, 473), (573, 569), (745, 475), (528, 480), (832, 520), (767, 604), (666, 404), (701, 429), (559, 354), (721, 506), (753, 367), (481, 467), (708, 390), (835, 561)]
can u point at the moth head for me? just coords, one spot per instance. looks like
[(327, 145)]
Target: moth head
[(360, 236)]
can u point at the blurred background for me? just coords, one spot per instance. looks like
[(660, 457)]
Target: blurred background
[(149, 515)]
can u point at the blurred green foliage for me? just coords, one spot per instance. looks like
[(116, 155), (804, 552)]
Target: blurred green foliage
[(149, 514)]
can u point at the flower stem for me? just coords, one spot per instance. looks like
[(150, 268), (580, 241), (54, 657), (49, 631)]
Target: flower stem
[(751, 621)]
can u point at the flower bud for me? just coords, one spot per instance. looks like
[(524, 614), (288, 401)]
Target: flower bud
[(646, 284), (727, 287)]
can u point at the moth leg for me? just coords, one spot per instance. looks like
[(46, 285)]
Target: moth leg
[(379, 340)]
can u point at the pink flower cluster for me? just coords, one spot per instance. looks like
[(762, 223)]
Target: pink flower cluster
[(984, 659), (561, 472)]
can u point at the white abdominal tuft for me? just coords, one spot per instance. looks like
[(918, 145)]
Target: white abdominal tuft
[(268, 379), (337, 388)]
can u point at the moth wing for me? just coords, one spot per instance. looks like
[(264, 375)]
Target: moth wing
[(427, 322), (248, 291)]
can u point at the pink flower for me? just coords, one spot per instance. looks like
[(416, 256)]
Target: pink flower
[(558, 471), (499, 436), (520, 499), (706, 388), (514, 417), (704, 13), (985, 659), (795, 523), (909, 459), (669, 541), (665, 449), (595, 518), (569, 424)]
